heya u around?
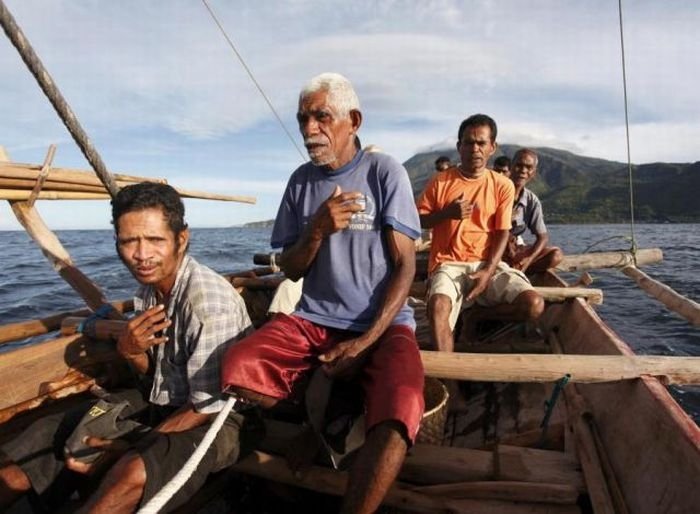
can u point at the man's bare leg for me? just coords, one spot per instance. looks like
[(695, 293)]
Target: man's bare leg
[(439, 308), (13, 482), (121, 489), (376, 468), (527, 306), (550, 257)]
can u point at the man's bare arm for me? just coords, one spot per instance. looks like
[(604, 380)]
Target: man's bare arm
[(185, 418), (483, 276), (333, 215), (402, 253)]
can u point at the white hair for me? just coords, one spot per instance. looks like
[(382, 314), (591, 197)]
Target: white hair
[(341, 94)]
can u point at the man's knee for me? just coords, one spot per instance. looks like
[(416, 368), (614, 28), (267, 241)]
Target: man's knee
[(555, 257), (531, 303), (439, 307), (129, 471)]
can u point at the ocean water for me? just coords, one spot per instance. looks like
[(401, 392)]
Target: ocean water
[(29, 288)]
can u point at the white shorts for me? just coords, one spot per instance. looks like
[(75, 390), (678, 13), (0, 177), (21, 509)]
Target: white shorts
[(452, 280)]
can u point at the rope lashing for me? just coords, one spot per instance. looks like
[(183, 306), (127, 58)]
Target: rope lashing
[(86, 326), (273, 263), (549, 407)]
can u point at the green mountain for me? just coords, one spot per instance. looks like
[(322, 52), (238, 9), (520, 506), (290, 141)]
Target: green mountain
[(577, 189)]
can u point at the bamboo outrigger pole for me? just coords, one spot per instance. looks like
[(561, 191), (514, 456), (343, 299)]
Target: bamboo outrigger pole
[(674, 301)]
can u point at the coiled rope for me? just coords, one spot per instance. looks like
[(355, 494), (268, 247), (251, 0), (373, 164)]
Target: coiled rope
[(156, 503)]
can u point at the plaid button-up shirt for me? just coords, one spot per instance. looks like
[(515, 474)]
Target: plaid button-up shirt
[(207, 316)]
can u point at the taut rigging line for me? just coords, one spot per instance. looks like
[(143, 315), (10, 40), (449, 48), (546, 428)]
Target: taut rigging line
[(252, 77)]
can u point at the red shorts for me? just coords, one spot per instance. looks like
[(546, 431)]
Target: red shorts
[(275, 359)]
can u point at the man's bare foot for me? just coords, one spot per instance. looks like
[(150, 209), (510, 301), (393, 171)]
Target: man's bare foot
[(302, 452)]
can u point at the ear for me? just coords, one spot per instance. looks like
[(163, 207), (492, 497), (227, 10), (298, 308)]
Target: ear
[(183, 238), (355, 119)]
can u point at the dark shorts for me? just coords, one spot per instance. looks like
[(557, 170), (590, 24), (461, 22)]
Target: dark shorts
[(165, 454), (38, 451), (277, 358)]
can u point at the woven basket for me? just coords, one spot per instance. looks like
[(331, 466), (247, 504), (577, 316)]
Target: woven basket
[(432, 425)]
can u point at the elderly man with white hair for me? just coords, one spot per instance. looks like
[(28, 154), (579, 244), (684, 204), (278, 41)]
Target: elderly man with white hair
[(347, 224)]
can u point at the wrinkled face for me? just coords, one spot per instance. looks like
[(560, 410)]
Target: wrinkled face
[(329, 139), (148, 247), (524, 169), (503, 170), (475, 148)]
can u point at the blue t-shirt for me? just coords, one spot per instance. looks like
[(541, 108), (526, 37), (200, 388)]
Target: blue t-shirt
[(345, 285)]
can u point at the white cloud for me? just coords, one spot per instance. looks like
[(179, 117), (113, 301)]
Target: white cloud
[(159, 91)]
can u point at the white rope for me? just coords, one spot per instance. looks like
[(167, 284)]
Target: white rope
[(168, 491)]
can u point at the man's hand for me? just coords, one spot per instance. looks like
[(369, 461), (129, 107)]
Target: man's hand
[(112, 450), (334, 214), (345, 359), (143, 331), (459, 209), (481, 280)]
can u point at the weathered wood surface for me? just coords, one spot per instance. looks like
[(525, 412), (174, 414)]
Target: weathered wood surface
[(549, 368), (28, 371), (25, 329), (400, 495), (100, 329), (88, 186), (596, 260), (574, 262), (68, 175), (504, 490), (653, 445), (550, 294), (674, 301)]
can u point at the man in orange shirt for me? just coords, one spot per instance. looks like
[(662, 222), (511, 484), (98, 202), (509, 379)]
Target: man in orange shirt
[(469, 209)]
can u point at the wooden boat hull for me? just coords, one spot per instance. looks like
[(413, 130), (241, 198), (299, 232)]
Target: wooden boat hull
[(652, 444), (649, 446)]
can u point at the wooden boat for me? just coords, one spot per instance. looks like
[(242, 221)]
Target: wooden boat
[(610, 445), (616, 442)]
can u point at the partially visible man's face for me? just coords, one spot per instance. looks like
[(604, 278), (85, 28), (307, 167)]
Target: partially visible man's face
[(475, 148), (442, 166), (503, 169), (149, 249), (524, 168), (329, 139)]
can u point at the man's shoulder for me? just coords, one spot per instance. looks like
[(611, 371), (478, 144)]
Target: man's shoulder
[(206, 290), (530, 198)]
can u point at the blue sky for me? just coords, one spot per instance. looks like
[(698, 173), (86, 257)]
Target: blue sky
[(161, 94)]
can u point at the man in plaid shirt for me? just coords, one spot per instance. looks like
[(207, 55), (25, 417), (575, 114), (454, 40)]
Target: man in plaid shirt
[(187, 316)]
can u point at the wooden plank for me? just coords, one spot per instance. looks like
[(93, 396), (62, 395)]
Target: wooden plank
[(21, 195), (25, 329), (428, 464), (400, 495), (549, 368), (101, 329), (504, 490), (550, 294), (596, 260), (49, 185), (653, 445), (678, 303), (69, 176), (27, 371)]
